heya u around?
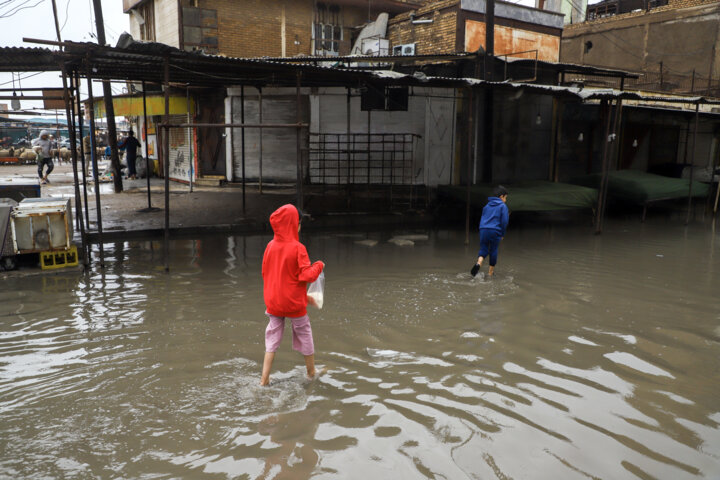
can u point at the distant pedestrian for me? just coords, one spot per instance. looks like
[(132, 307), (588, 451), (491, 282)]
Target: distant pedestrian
[(87, 151), (130, 144), (493, 224), (286, 271), (44, 156), (54, 149)]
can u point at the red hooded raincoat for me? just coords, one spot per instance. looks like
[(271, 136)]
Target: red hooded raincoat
[(286, 267)]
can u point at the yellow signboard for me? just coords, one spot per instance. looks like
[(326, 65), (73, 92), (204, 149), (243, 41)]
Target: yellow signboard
[(133, 106)]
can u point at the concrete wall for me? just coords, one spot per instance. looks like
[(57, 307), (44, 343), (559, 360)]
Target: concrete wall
[(166, 23), (682, 38)]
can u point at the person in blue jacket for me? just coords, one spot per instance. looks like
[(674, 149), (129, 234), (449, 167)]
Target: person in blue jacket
[(493, 223)]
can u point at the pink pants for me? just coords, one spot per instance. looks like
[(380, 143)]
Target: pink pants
[(301, 334)]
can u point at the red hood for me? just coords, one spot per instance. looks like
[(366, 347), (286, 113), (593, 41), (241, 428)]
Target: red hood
[(284, 222)]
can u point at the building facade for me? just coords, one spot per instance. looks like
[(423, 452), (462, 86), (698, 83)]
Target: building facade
[(676, 47), (257, 28), (452, 26)]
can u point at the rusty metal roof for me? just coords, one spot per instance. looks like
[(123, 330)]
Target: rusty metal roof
[(145, 62)]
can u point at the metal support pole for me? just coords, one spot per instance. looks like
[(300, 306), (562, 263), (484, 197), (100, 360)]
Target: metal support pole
[(692, 82), (85, 168), (260, 103), (189, 138), (73, 151), (469, 165), (692, 162), (93, 156), (147, 148), (347, 144), (557, 135), (166, 165), (298, 146), (602, 192), (242, 142), (487, 171), (489, 39), (109, 107)]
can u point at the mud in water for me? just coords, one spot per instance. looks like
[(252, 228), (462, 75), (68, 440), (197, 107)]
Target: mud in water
[(585, 357)]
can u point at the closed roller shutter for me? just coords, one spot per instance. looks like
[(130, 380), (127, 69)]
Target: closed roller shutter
[(181, 152)]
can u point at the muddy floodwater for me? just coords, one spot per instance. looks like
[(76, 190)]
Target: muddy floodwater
[(586, 357)]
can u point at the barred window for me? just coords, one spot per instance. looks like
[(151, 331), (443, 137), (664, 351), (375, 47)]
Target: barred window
[(327, 30)]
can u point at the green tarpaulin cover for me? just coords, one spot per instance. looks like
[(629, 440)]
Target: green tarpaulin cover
[(640, 187), (530, 196)]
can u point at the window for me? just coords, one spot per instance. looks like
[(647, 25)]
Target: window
[(327, 30), (147, 27), (384, 98)]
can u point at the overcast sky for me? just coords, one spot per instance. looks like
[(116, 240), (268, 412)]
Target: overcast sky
[(34, 19)]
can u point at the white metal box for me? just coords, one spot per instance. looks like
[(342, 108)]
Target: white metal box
[(42, 224)]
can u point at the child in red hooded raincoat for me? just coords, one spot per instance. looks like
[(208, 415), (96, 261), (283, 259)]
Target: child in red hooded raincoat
[(286, 271)]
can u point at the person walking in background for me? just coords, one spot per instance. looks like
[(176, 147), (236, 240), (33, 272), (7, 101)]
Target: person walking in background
[(286, 271), (54, 149), (130, 144), (44, 156), (87, 150), (493, 223)]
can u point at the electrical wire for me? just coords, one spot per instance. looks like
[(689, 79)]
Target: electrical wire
[(23, 78), (67, 5), (18, 8)]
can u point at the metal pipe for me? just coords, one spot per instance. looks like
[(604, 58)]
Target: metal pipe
[(602, 192), (692, 162), (93, 156), (347, 144), (260, 164), (85, 168), (237, 125), (298, 150), (147, 154), (189, 138), (73, 152), (242, 143), (469, 166), (29, 97), (166, 165)]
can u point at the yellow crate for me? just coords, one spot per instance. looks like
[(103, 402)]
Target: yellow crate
[(59, 259)]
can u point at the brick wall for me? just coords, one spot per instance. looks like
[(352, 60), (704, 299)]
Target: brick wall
[(672, 5), (436, 37), (253, 28)]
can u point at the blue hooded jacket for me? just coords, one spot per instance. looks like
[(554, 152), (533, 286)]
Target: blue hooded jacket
[(495, 215)]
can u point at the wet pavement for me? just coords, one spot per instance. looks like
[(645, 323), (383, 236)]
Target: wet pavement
[(204, 207), (586, 357)]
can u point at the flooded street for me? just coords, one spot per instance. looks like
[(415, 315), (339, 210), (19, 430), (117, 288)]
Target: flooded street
[(586, 357)]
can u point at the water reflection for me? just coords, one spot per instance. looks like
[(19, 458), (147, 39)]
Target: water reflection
[(586, 357)]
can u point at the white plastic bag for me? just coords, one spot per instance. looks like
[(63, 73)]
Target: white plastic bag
[(316, 291)]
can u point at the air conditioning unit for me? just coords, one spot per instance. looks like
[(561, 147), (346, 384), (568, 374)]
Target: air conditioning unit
[(42, 224), (405, 49)]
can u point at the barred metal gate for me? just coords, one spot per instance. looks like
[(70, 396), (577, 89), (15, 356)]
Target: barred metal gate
[(361, 158)]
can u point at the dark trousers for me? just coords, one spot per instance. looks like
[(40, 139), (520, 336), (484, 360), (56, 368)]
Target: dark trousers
[(489, 243), (131, 165), (41, 163)]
